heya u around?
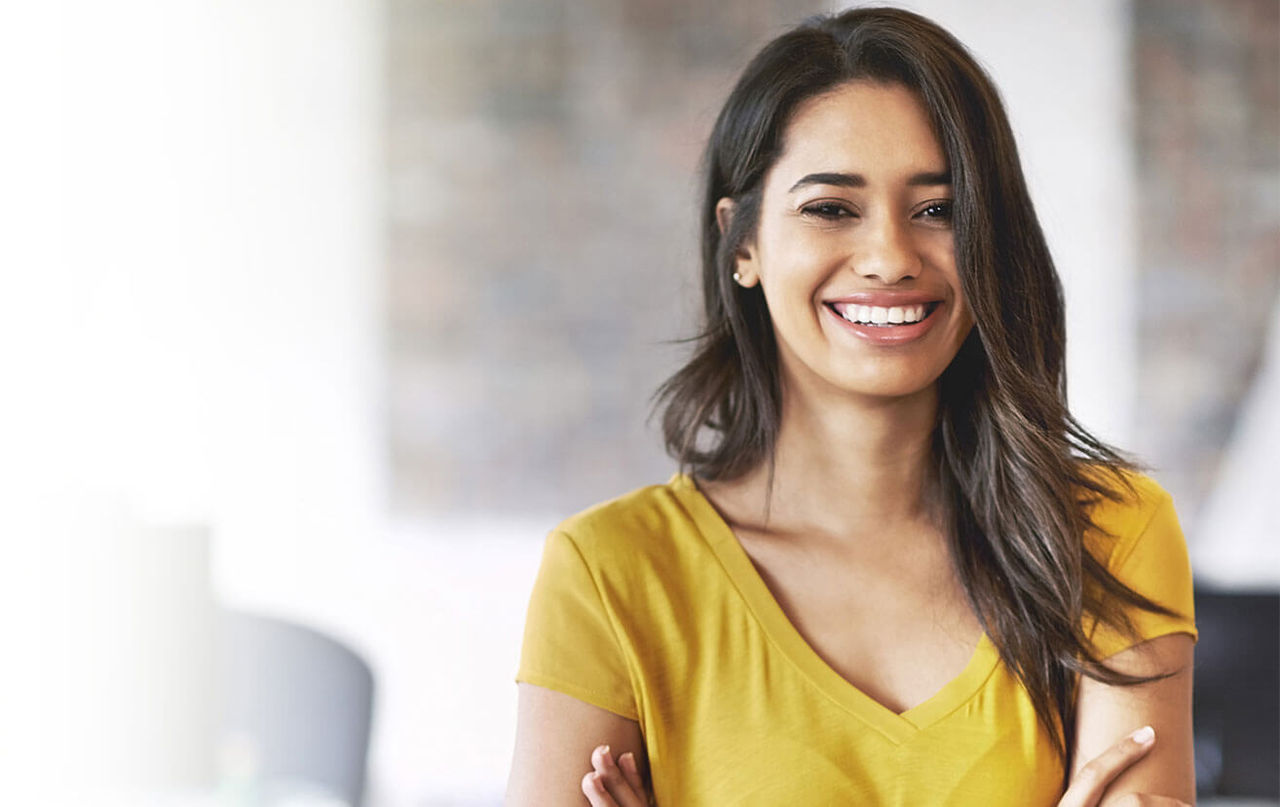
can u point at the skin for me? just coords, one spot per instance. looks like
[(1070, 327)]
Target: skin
[(1106, 711), (866, 513), (555, 737)]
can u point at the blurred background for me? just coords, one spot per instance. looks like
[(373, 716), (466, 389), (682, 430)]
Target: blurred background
[(316, 316)]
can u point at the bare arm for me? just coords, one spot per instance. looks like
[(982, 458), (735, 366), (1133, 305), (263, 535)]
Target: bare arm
[(1106, 712), (1120, 771), (554, 734)]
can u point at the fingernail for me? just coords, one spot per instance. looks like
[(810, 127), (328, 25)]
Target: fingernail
[(604, 751), (1144, 735)]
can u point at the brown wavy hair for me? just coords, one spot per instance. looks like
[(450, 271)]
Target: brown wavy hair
[(1017, 472)]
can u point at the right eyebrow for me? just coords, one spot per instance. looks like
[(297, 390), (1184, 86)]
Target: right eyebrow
[(845, 180), (840, 180)]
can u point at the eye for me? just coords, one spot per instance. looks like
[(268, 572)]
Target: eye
[(937, 211), (827, 210)]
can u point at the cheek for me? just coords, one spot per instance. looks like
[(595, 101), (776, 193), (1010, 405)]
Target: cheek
[(796, 250)]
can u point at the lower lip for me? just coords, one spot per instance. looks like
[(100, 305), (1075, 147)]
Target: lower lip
[(888, 334)]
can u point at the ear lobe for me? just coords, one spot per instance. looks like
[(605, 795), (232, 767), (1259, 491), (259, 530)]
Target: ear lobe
[(744, 261)]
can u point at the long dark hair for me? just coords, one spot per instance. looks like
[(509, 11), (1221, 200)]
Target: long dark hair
[(1017, 472)]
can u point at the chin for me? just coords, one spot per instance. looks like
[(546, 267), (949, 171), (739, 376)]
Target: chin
[(840, 374), (892, 393), (887, 388)]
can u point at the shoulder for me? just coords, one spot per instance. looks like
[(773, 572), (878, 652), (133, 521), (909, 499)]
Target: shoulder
[(1136, 537), (644, 524), (639, 515), (1118, 521), (642, 556)]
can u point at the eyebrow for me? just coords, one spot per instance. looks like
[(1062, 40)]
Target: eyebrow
[(844, 180)]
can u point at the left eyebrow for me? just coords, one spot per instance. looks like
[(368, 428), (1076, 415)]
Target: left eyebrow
[(843, 180)]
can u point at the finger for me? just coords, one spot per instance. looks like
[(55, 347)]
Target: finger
[(1089, 783), (593, 788), (631, 771), (613, 779)]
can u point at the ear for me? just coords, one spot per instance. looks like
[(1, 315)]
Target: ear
[(744, 259)]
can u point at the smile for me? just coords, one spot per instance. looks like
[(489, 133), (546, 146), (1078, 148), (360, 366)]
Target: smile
[(882, 316), (885, 325)]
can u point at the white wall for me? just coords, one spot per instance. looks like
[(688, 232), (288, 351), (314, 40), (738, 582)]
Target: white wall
[(218, 229), (191, 322), (189, 296)]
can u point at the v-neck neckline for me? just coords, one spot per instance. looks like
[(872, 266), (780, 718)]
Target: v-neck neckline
[(897, 727)]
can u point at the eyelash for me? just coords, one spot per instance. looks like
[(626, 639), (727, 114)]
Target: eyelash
[(823, 210), (832, 211)]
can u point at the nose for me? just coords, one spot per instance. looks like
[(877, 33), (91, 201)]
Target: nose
[(886, 251)]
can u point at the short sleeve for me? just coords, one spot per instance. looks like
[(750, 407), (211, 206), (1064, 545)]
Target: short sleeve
[(570, 644), (1152, 561)]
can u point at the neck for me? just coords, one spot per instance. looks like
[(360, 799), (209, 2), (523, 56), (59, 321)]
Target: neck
[(856, 466)]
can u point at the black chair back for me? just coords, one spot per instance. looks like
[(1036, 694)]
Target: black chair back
[(1237, 694)]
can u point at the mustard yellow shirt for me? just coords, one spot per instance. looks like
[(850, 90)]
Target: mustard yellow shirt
[(648, 606)]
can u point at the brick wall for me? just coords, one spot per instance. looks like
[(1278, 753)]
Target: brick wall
[(542, 160), (1206, 84)]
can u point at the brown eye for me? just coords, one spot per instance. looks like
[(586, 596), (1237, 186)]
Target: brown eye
[(827, 210), (937, 211)]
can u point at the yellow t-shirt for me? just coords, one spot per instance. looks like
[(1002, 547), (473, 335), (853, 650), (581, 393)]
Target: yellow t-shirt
[(648, 606)]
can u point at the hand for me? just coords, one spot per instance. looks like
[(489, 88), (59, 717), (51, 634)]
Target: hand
[(614, 785), (619, 785), (1092, 780)]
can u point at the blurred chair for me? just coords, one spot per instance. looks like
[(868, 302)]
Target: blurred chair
[(1237, 694), (297, 704)]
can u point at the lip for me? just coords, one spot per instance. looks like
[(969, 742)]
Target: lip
[(887, 335), (886, 299)]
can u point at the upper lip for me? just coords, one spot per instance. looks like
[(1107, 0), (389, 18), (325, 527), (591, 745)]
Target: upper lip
[(884, 299)]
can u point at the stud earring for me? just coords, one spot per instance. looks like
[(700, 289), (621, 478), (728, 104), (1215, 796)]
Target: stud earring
[(737, 278)]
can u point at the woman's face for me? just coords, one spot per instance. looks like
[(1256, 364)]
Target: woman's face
[(854, 249)]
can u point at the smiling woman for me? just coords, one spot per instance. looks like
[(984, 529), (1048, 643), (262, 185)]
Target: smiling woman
[(892, 569), (843, 256)]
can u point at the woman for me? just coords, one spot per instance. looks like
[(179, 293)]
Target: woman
[(893, 570)]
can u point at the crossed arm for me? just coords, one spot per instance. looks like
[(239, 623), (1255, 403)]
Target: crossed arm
[(1107, 712), (556, 735)]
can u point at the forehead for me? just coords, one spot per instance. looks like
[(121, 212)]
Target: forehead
[(875, 129)]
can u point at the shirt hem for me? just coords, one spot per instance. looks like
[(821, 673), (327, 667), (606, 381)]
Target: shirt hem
[(585, 694)]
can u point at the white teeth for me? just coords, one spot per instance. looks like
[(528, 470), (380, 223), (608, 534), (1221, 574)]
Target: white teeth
[(880, 315)]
